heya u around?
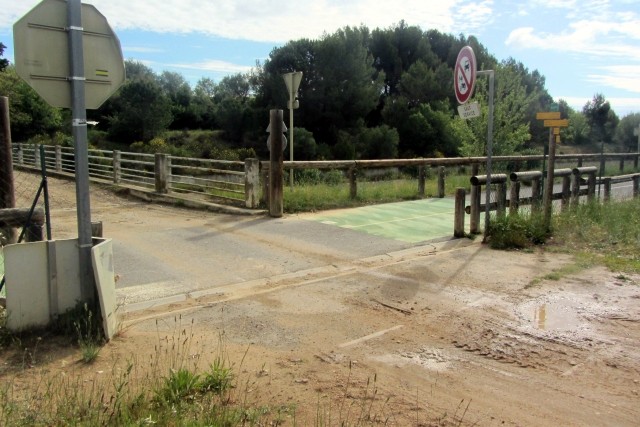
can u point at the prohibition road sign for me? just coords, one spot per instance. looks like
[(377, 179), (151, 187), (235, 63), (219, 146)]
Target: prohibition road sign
[(464, 75)]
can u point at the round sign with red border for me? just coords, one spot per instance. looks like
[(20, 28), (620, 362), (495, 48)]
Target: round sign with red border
[(464, 75)]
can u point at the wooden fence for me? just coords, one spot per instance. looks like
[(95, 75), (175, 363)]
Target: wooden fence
[(238, 182), (572, 180)]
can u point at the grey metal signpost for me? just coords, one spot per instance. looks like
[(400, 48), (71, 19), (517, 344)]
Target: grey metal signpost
[(292, 80), (487, 216), (79, 130), (49, 45), (464, 77)]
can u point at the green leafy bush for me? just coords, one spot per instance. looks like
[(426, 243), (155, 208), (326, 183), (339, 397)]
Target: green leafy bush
[(517, 231)]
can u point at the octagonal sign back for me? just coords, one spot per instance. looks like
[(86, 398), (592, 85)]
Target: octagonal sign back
[(41, 46)]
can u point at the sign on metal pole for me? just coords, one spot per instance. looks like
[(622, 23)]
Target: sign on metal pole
[(554, 123), (548, 115), (284, 138), (469, 111), (292, 80), (41, 46), (68, 53), (464, 74), (563, 123)]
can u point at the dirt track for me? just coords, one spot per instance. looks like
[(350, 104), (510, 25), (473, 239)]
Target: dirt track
[(452, 334)]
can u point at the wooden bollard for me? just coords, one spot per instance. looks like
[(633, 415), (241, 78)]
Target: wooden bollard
[(276, 165), (458, 223), (441, 176)]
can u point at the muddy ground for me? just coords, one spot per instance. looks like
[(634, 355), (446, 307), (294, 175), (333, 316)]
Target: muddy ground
[(451, 333)]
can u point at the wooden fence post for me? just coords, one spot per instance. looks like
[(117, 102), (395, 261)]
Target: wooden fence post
[(161, 173), (636, 185), (117, 166), (276, 165), (514, 197), (621, 168), (422, 176), (501, 195), (96, 229), (575, 190), (20, 154), (535, 194), (591, 182), (251, 183), (7, 186), (353, 183), (441, 175), (264, 176), (566, 191), (607, 188), (58, 154), (475, 202), (36, 156), (458, 224)]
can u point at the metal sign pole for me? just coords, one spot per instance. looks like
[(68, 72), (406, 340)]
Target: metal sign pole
[(487, 209), (292, 98), (79, 131), (548, 189)]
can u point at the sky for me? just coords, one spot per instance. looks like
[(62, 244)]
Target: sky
[(581, 47)]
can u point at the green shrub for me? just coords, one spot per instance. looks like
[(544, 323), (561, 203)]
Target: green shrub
[(517, 231)]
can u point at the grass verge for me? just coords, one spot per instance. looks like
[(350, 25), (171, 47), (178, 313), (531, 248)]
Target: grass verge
[(596, 233)]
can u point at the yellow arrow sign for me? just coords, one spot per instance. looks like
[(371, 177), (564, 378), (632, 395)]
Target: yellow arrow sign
[(556, 123), (551, 115)]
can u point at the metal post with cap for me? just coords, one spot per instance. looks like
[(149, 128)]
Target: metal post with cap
[(292, 80), (79, 132)]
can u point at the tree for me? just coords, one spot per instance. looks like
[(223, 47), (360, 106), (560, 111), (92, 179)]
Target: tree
[(601, 119), (141, 110), (30, 114), (538, 99), (510, 129), (378, 143), (203, 103), (233, 104), (421, 84), (305, 145), (624, 136), (339, 85), (396, 49), (179, 93), (4, 63), (577, 133)]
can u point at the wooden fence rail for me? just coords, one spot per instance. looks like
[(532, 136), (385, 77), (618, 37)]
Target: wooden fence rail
[(240, 182), (568, 195)]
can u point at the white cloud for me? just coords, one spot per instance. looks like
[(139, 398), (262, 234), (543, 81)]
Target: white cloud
[(140, 49), (617, 76), (476, 14), (599, 38), (271, 21), (213, 65)]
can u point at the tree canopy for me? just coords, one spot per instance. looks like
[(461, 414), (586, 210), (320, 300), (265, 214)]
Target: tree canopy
[(364, 94)]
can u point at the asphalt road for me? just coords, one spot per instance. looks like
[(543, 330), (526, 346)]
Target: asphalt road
[(173, 252)]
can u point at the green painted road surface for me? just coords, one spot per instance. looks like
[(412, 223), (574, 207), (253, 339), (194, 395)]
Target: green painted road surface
[(412, 222)]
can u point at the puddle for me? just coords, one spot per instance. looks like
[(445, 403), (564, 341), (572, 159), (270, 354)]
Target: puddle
[(551, 316)]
